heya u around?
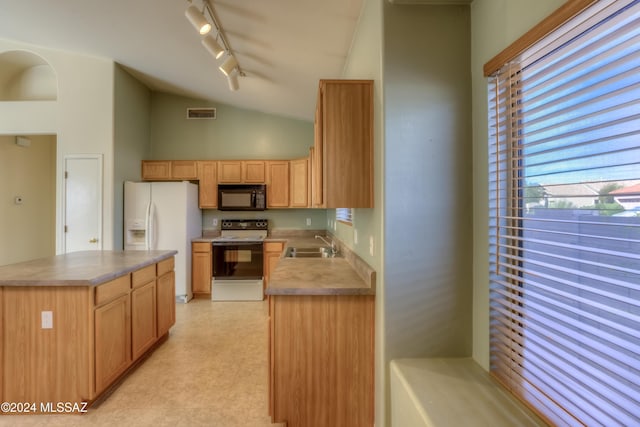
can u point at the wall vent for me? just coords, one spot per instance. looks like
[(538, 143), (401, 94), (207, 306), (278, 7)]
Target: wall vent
[(201, 113)]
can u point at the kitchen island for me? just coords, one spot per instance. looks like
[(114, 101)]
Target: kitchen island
[(71, 325), (321, 339)]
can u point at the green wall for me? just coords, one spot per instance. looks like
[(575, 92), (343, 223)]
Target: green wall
[(364, 62), (235, 133), (427, 214), (281, 219), (132, 102)]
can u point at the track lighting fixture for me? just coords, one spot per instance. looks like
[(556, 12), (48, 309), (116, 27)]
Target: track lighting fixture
[(197, 19), (212, 45), (232, 79), (228, 65), (217, 46)]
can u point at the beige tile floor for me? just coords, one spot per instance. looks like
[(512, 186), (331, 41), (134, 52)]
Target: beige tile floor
[(212, 371)]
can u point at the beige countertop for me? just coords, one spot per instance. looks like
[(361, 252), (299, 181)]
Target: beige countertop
[(87, 268), (343, 275), (347, 274)]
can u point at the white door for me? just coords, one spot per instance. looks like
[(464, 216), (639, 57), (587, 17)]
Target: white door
[(83, 202)]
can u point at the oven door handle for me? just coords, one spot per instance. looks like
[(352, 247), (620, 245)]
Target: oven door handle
[(236, 243)]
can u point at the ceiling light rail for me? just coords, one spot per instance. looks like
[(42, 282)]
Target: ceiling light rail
[(230, 67)]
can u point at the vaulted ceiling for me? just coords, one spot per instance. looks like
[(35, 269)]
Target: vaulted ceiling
[(283, 46)]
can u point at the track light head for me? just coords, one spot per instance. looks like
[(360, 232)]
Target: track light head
[(197, 19), (212, 45), (232, 79), (228, 65)]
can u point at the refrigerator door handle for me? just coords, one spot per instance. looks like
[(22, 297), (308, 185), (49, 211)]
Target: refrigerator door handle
[(151, 227)]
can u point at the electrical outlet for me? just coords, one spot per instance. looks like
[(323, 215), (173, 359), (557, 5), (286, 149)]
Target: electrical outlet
[(371, 245), (47, 319), (308, 222), (215, 222), (355, 236)]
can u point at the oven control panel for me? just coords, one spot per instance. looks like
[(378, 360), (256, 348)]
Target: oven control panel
[(245, 224)]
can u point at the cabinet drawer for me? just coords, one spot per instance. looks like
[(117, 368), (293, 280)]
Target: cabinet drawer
[(201, 247), (110, 290), (166, 266), (273, 246), (143, 276)]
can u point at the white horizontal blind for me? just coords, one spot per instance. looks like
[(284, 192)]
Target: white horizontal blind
[(344, 215), (565, 220)]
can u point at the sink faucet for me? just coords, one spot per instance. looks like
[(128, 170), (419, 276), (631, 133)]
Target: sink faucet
[(334, 250)]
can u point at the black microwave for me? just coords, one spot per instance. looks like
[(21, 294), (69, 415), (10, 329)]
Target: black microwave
[(242, 197)]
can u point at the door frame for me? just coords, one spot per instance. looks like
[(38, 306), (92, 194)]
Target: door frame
[(99, 159)]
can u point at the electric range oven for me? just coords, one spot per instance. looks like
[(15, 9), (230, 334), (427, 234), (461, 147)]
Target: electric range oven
[(238, 260)]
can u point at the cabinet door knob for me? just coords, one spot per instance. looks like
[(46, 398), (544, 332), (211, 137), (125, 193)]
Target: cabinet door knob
[(94, 240)]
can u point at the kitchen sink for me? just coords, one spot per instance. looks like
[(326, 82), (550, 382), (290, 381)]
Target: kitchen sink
[(317, 252)]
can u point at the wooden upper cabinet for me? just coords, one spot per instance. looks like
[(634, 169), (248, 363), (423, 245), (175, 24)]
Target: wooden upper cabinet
[(208, 184), (241, 171), (343, 146), (184, 169), (229, 171), (254, 171), (277, 184), (299, 183), (169, 170), (156, 170)]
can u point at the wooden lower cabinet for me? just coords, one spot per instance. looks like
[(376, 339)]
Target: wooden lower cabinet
[(93, 337), (143, 319), (1, 352), (112, 341), (272, 254), (47, 364), (166, 302), (321, 360), (201, 268)]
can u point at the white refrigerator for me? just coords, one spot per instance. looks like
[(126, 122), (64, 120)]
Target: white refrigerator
[(164, 215)]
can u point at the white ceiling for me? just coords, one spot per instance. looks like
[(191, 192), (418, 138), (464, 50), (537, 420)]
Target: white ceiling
[(283, 46)]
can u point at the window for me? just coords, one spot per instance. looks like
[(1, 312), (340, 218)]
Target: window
[(564, 257), (344, 215)]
